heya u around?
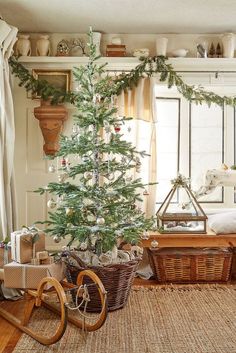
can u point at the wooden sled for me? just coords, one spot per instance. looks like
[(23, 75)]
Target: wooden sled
[(37, 298)]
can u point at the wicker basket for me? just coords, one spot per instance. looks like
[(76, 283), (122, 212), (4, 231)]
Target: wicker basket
[(189, 265), (117, 280)]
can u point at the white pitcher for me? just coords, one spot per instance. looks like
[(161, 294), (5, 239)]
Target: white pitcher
[(23, 46), (161, 45), (43, 46), (228, 45)]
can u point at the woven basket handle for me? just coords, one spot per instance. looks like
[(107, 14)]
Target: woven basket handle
[(80, 262)]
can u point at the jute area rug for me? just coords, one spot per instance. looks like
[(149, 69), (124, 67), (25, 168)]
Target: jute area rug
[(186, 319)]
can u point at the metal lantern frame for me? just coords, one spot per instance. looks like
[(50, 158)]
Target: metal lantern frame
[(163, 216)]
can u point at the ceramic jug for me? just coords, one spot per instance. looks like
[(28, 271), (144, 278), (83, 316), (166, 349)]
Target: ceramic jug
[(228, 45), (43, 46), (161, 45), (23, 46)]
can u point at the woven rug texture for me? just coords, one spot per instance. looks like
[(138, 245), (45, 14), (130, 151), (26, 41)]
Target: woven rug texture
[(187, 319)]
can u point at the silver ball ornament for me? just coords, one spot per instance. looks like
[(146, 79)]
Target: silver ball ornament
[(154, 244), (51, 168), (51, 203), (56, 239), (145, 235), (100, 221), (88, 175), (69, 211)]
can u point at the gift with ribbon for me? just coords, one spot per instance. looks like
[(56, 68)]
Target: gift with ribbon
[(5, 253), (25, 243)]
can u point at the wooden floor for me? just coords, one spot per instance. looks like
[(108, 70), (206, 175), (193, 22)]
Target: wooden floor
[(9, 335)]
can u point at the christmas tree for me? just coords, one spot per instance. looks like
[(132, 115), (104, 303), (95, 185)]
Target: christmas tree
[(95, 197)]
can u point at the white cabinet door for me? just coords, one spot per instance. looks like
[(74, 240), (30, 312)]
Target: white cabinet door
[(31, 166)]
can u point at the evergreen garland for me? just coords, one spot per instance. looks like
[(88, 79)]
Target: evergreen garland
[(148, 67)]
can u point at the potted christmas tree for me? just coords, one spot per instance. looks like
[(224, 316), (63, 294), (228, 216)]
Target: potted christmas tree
[(96, 195)]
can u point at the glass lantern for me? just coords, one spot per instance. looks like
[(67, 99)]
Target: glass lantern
[(186, 216)]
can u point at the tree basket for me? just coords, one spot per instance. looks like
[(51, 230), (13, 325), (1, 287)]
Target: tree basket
[(116, 278)]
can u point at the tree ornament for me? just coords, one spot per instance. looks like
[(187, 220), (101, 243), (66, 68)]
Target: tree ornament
[(129, 129), (85, 158), (83, 246), (51, 168), (69, 211), (62, 177), (100, 221), (51, 203), (56, 239), (129, 178), (63, 163), (154, 244), (75, 129), (117, 128), (146, 192), (111, 176), (88, 175), (60, 201), (91, 218), (145, 235)]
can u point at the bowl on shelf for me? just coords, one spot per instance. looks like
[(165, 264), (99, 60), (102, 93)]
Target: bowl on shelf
[(143, 52), (179, 53)]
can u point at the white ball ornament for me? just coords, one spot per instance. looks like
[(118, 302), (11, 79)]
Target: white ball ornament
[(100, 221), (111, 176), (56, 239), (83, 246), (51, 203), (91, 218), (69, 211), (51, 168), (154, 244), (88, 175), (145, 235)]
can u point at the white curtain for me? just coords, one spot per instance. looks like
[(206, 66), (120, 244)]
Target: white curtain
[(139, 104), (7, 132)]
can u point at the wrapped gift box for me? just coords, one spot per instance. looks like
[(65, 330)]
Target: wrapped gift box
[(5, 256), (27, 276), (22, 246)]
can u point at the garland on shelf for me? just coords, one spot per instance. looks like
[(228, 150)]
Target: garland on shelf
[(41, 87), (147, 68)]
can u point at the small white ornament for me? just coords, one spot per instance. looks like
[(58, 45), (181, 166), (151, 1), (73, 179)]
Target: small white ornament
[(62, 177), (75, 129), (51, 168), (100, 221), (129, 178), (51, 203), (111, 176), (91, 218), (69, 211), (154, 244), (83, 246), (88, 175), (85, 158), (145, 235), (129, 129), (56, 239)]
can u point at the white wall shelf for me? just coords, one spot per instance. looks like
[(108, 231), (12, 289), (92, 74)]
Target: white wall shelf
[(128, 63)]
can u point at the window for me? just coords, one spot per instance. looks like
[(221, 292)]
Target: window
[(191, 139)]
